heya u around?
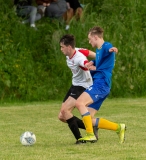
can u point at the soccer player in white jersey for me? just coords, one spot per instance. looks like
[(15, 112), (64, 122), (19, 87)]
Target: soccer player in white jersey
[(81, 79)]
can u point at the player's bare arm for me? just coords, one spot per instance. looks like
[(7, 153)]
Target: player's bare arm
[(91, 54)]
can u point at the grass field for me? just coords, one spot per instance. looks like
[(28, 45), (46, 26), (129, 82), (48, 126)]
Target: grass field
[(55, 141)]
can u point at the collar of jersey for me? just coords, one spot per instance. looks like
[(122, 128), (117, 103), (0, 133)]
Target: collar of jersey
[(73, 55)]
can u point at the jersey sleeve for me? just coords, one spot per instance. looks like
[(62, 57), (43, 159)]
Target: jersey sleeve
[(82, 60), (107, 47), (85, 52)]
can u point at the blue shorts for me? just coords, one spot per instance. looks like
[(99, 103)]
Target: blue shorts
[(98, 92)]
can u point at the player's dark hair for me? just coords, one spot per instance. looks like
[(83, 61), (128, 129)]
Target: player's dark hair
[(67, 40), (96, 31)]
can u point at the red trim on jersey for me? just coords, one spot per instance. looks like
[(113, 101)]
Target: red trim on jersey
[(83, 68), (86, 62), (73, 55), (85, 52)]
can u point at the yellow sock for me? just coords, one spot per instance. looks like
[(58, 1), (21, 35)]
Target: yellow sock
[(88, 123), (105, 124)]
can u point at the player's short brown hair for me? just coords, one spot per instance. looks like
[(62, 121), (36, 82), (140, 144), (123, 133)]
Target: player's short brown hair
[(96, 31), (67, 40)]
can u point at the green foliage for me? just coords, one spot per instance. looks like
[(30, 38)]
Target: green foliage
[(32, 66)]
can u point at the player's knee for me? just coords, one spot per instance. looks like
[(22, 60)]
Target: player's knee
[(63, 108), (78, 105), (60, 117), (63, 112)]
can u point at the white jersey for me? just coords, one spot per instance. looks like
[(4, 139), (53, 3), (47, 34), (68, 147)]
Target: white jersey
[(81, 75)]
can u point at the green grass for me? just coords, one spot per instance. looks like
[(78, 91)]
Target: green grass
[(55, 141)]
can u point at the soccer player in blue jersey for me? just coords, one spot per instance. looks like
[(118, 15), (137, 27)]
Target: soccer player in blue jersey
[(94, 96)]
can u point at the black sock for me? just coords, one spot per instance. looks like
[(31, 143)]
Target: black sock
[(72, 123), (80, 123)]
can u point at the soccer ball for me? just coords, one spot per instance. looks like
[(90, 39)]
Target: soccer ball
[(28, 138)]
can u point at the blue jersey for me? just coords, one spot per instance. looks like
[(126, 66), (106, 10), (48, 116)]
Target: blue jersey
[(104, 63)]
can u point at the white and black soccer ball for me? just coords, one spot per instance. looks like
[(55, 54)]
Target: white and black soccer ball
[(28, 138)]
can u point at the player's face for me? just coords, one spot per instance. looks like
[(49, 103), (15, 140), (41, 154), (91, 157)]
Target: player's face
[(64, 49), (92, 40)]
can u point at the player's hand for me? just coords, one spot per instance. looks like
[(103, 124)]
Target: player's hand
[(93, 68), (87, 65), (113, 49), (90, 65)]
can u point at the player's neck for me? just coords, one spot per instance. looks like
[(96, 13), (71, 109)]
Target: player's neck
[(73, 51), (100, 43)]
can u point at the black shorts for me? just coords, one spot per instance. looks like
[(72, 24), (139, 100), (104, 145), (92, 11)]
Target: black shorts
[(75, 92)]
